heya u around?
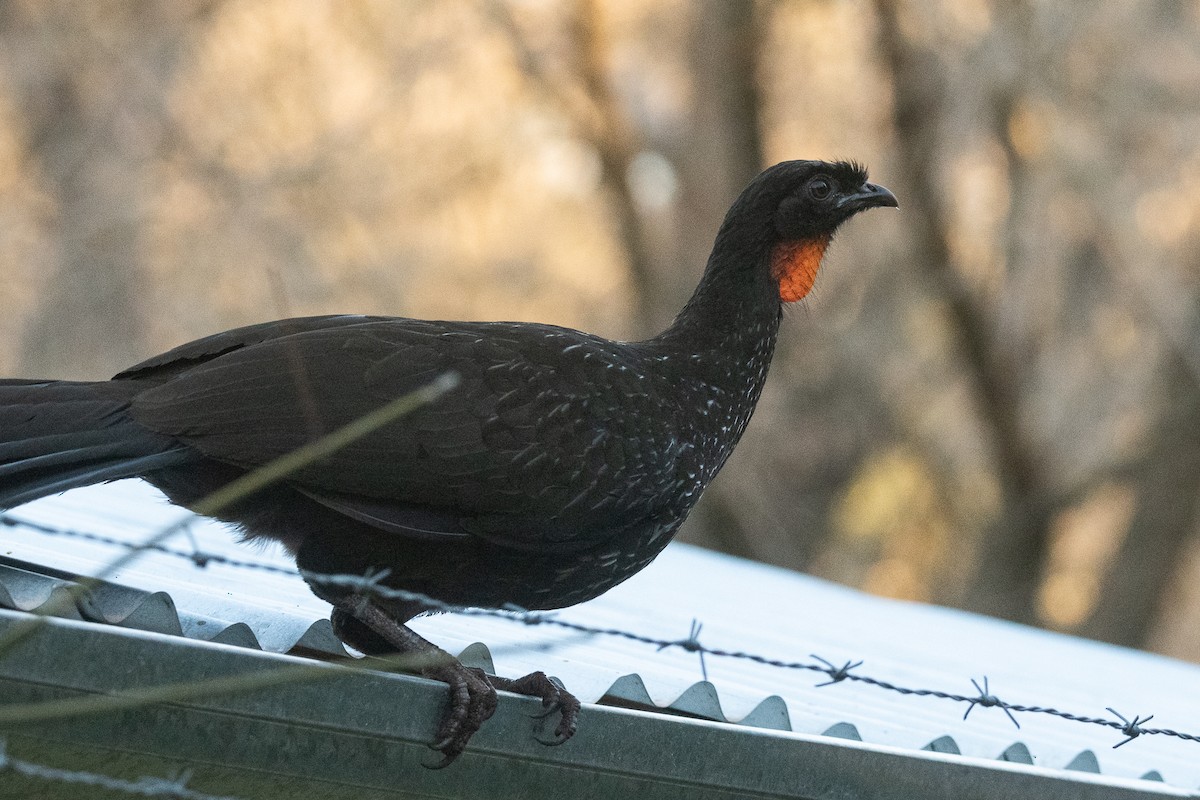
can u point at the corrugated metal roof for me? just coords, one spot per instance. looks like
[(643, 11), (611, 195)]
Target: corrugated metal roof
[(362, 735), (743, 606)]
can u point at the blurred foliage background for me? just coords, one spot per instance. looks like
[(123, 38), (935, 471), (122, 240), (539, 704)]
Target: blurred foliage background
[(991, 400)]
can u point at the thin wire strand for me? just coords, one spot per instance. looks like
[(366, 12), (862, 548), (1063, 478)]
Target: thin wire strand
[(372, 585), (145, 786)]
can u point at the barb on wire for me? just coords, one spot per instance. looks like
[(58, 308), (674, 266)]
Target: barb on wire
[(838, 674), (1132, 728), (145, 786), (199, 557), (988, 700), (691, 644), (373, 585)]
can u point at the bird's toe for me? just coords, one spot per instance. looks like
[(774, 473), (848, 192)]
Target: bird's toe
[(472, 702), (554, 697)]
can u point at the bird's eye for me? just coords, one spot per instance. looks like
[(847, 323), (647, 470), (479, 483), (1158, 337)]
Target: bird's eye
[(819, 188)]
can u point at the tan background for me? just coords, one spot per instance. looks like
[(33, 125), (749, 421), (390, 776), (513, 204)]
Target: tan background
[(991, 400)]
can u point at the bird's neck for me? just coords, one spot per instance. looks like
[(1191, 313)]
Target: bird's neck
[(734, 310), (720, 345)]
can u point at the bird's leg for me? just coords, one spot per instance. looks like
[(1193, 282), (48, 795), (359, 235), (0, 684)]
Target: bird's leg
[(472, 696), (370, 630)]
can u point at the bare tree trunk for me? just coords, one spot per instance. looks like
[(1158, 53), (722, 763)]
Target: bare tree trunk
[(1162, 524), (617, 145), (1015, 546), (722, 149), (587, 99), (1138, 592)]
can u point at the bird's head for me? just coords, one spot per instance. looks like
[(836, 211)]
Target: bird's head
[(785, 219)]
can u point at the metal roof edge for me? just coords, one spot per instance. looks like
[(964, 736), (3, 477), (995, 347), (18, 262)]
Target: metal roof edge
[(362, 734)]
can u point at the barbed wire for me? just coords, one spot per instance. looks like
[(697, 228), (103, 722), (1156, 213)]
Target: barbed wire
[(146, 786), (371, 585)]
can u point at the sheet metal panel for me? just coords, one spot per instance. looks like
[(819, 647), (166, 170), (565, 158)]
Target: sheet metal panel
[(359, 734), (743, 606)]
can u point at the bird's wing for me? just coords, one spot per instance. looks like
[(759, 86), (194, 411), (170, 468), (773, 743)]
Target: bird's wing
[(550, 439), (189, 355)]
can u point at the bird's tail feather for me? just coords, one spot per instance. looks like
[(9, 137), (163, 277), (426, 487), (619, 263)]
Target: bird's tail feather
[(60, 435)]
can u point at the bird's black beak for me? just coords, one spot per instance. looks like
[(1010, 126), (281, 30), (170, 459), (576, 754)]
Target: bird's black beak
[(869, 195)]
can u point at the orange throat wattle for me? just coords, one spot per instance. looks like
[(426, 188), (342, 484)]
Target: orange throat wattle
[(794, 265)]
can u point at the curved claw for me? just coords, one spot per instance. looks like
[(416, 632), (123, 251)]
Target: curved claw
[(550, 709), (570, 717), (472, 702), (554, 697), (441, 744), (551, 742), (445, 761), (373, 630)]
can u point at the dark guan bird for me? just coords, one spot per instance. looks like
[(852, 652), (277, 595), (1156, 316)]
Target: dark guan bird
[(560, 465)]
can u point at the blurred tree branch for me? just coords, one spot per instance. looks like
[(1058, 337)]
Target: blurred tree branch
[(1141, 581), (1138, 582), (587, 102), (1015, 546)]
